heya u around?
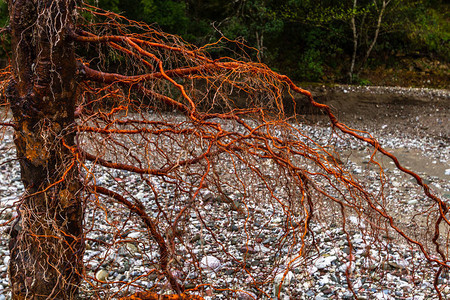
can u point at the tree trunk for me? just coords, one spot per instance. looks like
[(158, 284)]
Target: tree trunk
[(355, 42), (375, 36), (46, 244)]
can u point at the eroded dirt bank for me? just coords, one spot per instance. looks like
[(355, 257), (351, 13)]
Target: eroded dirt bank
[(403, 115)]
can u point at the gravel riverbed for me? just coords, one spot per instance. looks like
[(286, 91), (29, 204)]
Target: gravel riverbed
[(119, 257)]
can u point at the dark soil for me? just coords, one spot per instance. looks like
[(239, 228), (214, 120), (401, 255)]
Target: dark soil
[(409, 110), (422, 114)]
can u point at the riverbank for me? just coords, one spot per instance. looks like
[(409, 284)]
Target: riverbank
[(248, 244)]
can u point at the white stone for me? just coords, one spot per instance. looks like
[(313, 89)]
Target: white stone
[(391, 278), (262, 248), (276, 221), (312, 269), (344, 267), (325, 279), (354, 220), (324, 262), (140, 195), (132, 248), (357, 284), (134, 235), (308, 284), (287, 279), (357, 171), (210, 262), (102, 275), (277, 281), (383, 296), (245, 295)]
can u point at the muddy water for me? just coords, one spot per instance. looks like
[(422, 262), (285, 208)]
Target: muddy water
[(418, 160)]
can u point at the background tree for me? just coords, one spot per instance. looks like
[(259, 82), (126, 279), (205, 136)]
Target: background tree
[(318, 35), (151, 138)]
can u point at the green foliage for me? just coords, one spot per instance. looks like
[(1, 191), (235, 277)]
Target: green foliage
[(360, 81), (170, 15), (4, 39), (310, 66), (3, 13), (430, 32), (301, 38)]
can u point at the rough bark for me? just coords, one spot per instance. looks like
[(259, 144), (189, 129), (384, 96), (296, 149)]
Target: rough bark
[(46, 240)]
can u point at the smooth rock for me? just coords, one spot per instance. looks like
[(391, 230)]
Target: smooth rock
[(277, 281), (344, 267), (247, 249), (210, 262), (140, 195), (134, 235), (287, 279), (102, 275), (324, 262), (132, 248), (246, 296)]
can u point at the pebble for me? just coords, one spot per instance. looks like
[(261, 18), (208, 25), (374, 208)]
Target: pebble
[(210, 263), (287, 278), (132, 248), (134, 235), (102, 275), (324, 262), (348, 266), (246, 296)]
